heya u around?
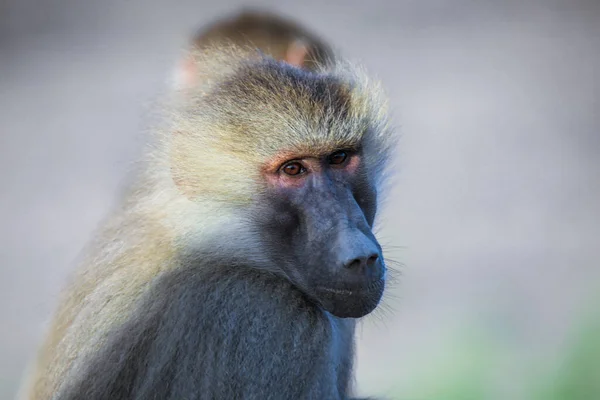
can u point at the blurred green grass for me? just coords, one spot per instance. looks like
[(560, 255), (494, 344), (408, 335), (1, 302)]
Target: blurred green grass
[(578, 378), (469, 362)]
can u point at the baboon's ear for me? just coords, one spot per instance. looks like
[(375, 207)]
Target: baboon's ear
[(186, 72), (296, 53)]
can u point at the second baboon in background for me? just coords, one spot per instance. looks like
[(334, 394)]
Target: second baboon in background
[(281, 38), (274, 35)]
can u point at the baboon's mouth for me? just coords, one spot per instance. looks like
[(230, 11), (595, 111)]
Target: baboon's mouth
[(351, 303), (359, 290), (344, 292)]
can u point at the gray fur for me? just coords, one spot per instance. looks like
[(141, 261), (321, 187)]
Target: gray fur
[(222, 332)]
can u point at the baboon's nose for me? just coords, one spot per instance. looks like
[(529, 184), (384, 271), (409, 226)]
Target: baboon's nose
[(363, 262), (360, 258)]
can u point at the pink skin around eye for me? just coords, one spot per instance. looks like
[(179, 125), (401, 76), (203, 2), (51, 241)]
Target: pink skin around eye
[(275, 177)]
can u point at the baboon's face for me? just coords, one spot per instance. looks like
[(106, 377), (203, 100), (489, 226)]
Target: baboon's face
[(317, 223)]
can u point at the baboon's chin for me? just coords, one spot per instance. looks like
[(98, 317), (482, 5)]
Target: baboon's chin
[(351, 303)]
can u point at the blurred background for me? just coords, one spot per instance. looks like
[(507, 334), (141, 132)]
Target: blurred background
[(494, 215)]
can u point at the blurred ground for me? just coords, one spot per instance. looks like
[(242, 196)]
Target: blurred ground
[(495, 214)]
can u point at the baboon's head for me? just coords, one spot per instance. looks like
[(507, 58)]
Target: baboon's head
[(302, 154)]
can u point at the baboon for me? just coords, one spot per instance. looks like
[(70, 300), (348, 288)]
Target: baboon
[(274, 35), (243, 254)]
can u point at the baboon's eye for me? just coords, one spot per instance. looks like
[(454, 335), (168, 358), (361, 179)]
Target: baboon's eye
[(294, 168), (337, 158)]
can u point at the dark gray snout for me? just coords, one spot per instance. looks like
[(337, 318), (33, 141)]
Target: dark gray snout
[(325, 245)]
